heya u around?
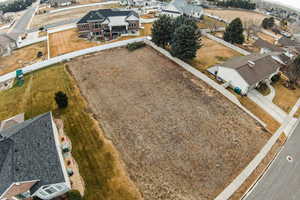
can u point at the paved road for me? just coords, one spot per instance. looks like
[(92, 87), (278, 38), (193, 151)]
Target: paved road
[(21, 24), (282, 180), (53, 25)]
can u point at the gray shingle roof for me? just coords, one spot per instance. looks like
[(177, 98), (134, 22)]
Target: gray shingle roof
[(102, 14), (28, 152), (264, 44), (264, 66), (183, 6)]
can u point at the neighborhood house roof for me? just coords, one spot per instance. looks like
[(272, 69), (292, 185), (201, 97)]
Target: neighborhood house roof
[(102, 14), (264, 44), (28, 152), (254, 67), (184, 7), (5, 40), (288, 42)]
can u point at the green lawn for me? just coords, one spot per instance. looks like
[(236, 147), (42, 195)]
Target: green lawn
[(97, 159)]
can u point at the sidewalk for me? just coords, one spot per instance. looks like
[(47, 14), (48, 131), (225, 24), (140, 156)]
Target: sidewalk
[(268, 106)]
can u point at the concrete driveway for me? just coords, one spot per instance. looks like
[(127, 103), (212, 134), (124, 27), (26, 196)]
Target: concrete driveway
[(267, 105)]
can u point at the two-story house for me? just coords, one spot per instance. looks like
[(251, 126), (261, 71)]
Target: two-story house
[(105, 24)]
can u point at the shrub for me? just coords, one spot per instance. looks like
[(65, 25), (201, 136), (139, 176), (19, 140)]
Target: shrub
[(61, 99), (275, 78), (74, 195), (135, 45), (39, 54)]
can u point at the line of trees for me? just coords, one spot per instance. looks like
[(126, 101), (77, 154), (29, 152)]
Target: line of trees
[(15, 6), (245, 4), (181, 34)]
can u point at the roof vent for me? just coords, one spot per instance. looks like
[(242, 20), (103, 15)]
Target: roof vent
[(251, 63)]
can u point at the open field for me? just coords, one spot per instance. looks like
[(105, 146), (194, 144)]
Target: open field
[(211, 53), (21, 57), (285, 98), (179, 138), (98, 161), (230, 15), (49, 18), (210, 23)]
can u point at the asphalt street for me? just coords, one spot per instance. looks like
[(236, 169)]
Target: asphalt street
[(282, 179), (21, 24)]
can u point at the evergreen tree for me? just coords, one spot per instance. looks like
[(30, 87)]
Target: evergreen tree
[(234, 32), (61, 99), (162, 31), (185, 42), (268, 23)]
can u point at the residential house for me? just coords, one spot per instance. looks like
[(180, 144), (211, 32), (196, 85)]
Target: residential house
[(266, 47), (108, 24), (31, 161), (180, 7), (61, 3), (7, 44), (245, 73)]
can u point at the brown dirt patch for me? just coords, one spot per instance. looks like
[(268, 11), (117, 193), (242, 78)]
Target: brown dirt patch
[(22, 57), (178, 140)]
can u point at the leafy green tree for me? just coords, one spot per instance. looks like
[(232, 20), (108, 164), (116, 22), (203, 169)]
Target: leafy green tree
[(61, 99), (162, 31), (234, 32), (185, 42), (185, 20)]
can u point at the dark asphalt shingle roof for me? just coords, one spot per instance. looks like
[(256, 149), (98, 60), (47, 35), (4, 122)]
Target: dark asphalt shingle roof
[(28, 152), (264, 66), (102, 14), (264, 44), (288, 42)]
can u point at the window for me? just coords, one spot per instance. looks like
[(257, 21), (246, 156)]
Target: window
[(50, 190)]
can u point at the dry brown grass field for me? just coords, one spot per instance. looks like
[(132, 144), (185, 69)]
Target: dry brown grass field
[(22, 57), (68, 41), (211, 53), (179, 138), (49, 18), (232, 14)]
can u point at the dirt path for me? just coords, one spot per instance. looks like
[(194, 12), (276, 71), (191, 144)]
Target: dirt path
[(27, 92)]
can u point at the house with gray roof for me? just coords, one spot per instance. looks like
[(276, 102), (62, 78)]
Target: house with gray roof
[(61, 3), (108, 24), (181, 7), (31, 162), (244, 73)]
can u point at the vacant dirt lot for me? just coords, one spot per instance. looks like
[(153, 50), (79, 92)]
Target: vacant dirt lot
[(229, 15), (179, 138), (49, 18), (22, 57), (212, 53)]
